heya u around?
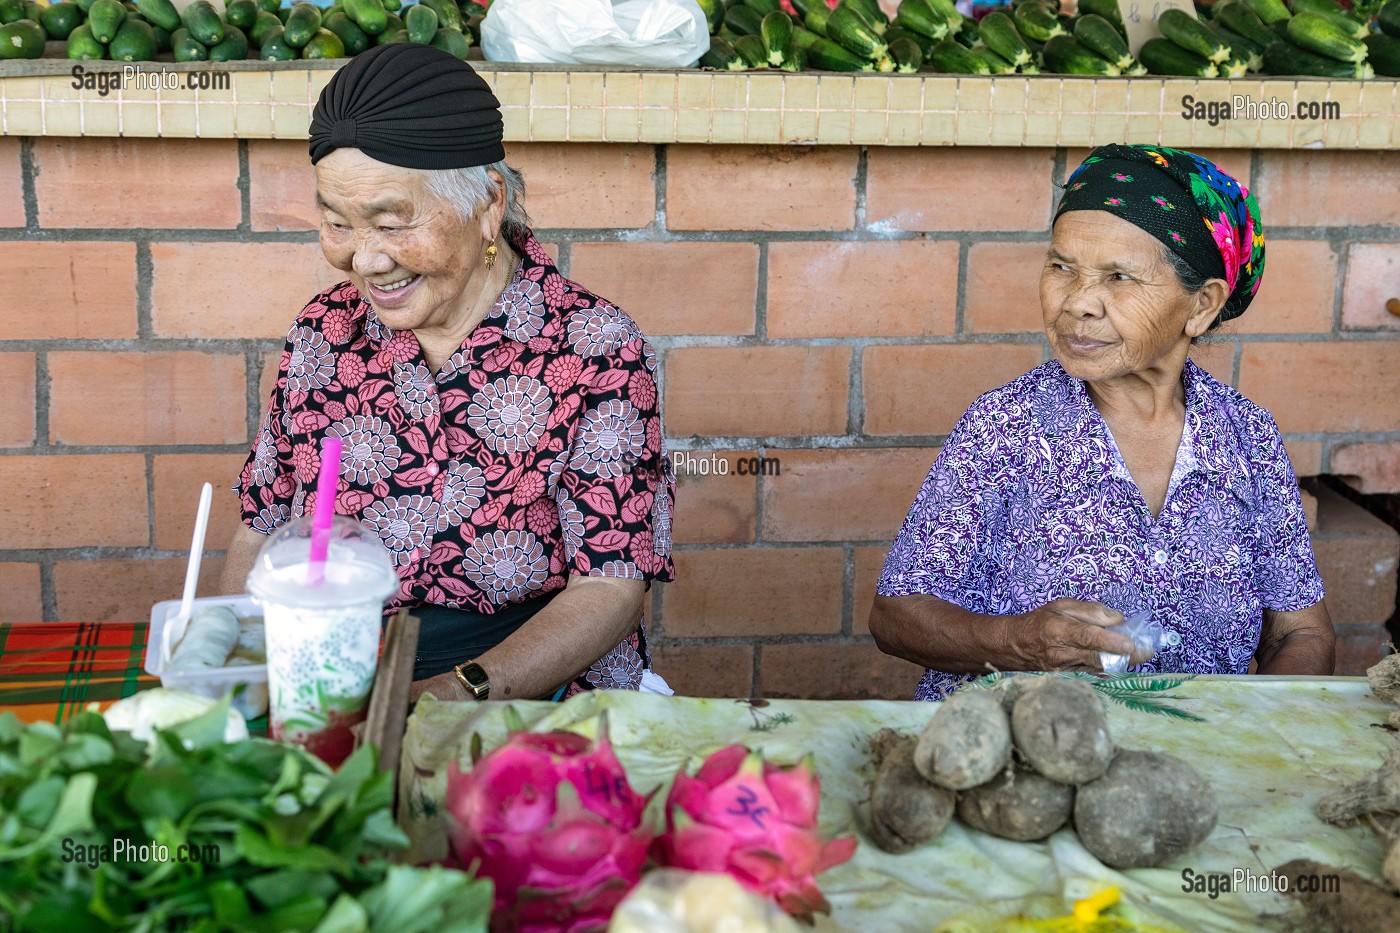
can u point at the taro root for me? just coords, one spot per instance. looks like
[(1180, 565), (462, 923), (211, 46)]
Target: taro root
[(1060, 729), (1018, 804), (905, 810), (1384, 678), (1146, 811), (966, 743)]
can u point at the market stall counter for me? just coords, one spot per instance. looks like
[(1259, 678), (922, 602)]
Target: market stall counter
[(1271, 748)]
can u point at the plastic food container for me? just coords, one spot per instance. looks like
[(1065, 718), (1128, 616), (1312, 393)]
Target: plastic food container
[(212, 682)]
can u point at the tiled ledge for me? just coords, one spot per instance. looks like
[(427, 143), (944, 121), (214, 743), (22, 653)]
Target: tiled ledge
[(266, 100)]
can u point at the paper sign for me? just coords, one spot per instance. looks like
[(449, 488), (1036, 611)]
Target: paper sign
[(1140, 18)]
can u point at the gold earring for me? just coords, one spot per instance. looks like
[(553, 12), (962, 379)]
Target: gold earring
[(491, 255)]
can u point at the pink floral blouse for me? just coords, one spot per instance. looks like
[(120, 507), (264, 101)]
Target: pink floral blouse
[(533, 453)]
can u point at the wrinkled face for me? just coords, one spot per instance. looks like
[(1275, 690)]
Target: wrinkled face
[(1112, 305), (407, 251)]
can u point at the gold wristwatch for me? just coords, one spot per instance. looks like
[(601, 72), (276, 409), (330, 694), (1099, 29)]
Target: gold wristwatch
[(473, 677)]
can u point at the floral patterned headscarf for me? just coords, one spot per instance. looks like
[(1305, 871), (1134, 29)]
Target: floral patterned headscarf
[(1198, 211)]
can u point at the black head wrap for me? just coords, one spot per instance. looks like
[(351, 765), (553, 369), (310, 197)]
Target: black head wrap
[(1187, 202), (410, 105)]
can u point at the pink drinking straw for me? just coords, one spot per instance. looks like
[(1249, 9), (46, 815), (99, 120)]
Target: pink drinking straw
[(321, 520)]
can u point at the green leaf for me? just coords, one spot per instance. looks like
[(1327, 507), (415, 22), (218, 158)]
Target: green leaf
[(428, 900), (381, 831), (345, 916), (205, 730), (39, 801), (260, 851), (38, 744), (72, 816), (84, 751), (162, 792)]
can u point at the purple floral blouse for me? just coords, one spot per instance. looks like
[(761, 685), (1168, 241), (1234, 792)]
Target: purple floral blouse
[(1030, 501), (535, 452)]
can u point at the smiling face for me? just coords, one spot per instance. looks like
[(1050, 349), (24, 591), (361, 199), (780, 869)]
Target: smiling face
[(1112, 306), (406, 250)]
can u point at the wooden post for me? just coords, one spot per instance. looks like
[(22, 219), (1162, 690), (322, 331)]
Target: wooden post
[(388, 701)]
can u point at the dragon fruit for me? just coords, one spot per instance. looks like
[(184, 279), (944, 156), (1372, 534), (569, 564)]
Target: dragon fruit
[(552, 820), (755, 821)]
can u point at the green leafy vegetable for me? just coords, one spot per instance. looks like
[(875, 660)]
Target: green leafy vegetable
[(99, 832)]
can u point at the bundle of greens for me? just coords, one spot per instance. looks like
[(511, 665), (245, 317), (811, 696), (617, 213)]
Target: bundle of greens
[(98, 831)]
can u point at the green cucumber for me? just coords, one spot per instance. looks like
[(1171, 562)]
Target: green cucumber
[(302, 24), (918, 16), (324, 44), (233, 47), (271, 6), (1108, 9), (160, 13), (203, 23), (241, 13), (449, 16), (22, 38), (1066, 55), (744, 20), (1317, 33), (714, 13), (751, 50), (849, 28), (1000, 34), (351, 36), (11, 11), (1288, 60), (762, 7), (1192, 35), (1237, 17), (802, 39), (275, 48), (906, 55), (1101, 37), (1250, 51), (392, 37), (722, 57), (135, 41), (815, 20), (997, 64), (452, 41), (83, 47), (1165, 57), (1270, 11), (369, 15), (61, 19), (392, 6), (184, 47), (1383, 53), (421, 21), (949, 57), (262, 27), (1389, 19), (825, 55), (105, 17), (1035, 21)]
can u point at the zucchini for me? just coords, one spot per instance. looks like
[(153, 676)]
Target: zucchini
[(1347, 25), (203, 22), (1383, 53), (302, 24), (1098, 35), (1389, 19), (1192, 35), (1237, 17), (1236, 66), (949, 57), (918, 16), (1270, 11), (1066, 55), (1165, 57), (802, 39), (751, 50), (722, 57), (714, 13), (997, 64), (421, 21), (815, 19), (1250, 51), (802, 6), (848, 28), (776, 32), (762, 7), (744, 20), (870, 9), (970, 34), (999, 33), (1319, 34), (907, 55), (1286, 59), (1035, 21), (1108, 9), (924, 43), (825, 55)]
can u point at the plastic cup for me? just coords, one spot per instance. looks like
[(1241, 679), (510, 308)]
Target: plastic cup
[(322, 638)]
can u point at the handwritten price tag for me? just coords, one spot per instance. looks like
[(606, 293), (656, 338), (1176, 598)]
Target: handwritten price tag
[(1140, 18)]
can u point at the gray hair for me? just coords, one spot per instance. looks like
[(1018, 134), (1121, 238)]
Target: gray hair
[(1190, 279), (468, 189)]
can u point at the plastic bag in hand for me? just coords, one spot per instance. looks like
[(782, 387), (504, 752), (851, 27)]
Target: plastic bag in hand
[(637, 33)]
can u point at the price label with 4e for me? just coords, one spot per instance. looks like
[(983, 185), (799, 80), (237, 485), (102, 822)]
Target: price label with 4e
[(1140, 18)]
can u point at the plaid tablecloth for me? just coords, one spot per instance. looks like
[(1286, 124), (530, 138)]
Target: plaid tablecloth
[(51, 670)]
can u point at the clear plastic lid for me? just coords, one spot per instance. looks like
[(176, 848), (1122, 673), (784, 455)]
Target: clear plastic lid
[(357, 570)]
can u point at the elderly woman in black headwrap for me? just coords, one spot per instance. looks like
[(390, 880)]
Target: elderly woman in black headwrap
[(1119, 479), (500, 424)]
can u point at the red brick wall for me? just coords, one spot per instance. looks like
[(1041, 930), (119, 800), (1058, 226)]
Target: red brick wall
[(833, 308)]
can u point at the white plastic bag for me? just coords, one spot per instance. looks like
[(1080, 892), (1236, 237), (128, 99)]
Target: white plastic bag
[(636, 33)]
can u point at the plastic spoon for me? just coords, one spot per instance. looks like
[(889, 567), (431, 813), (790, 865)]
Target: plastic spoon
[(175, 628)]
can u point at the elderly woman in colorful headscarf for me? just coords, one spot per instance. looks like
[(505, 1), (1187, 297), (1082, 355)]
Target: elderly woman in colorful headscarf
[(1119, 478), (500, 423)]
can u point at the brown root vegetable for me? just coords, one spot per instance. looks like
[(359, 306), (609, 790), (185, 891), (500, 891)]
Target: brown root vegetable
[(1017, 804), (1375, 798), (1147, 810), (1391, 868), (905, 810), (1384, 678), (1355, 905), (966, 743), (1060, 729)]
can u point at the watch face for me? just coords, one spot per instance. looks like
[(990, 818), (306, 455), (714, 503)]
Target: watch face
[(476, 678)]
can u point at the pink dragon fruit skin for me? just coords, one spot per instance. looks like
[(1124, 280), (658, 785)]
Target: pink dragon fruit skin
[(552, 820), (755, 821)]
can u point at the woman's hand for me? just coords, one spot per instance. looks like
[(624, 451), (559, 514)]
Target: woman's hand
[(444, 686), (1068, 635)]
